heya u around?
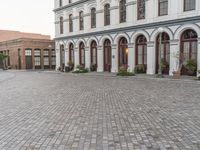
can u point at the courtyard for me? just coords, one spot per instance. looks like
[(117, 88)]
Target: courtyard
[(60, 111)]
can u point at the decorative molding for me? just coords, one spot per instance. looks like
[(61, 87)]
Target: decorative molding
[(134, 28), (72, 4), (130, 3), (114, 7), (99, 11)]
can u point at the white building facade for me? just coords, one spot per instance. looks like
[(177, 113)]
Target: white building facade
[(109, 34)]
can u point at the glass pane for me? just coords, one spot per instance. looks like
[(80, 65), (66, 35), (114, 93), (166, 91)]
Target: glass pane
[(186, 48), (194, 50), (46, 61), (140, 53)]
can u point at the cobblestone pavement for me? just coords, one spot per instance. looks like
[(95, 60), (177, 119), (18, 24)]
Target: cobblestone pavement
[(54, 111)]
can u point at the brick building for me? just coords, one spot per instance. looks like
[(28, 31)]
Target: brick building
[(27, 50)]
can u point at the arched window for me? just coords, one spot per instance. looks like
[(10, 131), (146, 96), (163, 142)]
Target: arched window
[(189, 5), (61, 25), (141, 9), (189, 45), (71, 53), (122, 11), (107, 55), (165, 52), (70, 23), (107, 14), (94, 55), (93, 18), (123, 52), (81, 20), (141, 51), (82, 54), (162, 7)]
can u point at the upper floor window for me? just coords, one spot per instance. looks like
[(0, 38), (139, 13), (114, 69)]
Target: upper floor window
[(189, 5), (107, 14), (70, 23), (122, 11), (81, 21), (61, 25), (60, 3), (162, 7), (141, 9), (93, 18)]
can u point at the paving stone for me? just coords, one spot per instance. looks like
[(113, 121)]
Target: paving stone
[(59, 111)]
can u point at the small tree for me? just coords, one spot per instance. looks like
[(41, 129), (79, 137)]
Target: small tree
[(2, 57)]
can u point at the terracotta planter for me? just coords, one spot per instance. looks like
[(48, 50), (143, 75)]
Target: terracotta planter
[(176, 75)]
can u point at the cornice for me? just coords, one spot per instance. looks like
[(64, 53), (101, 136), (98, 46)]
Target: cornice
[(71, 5), (136, 27)]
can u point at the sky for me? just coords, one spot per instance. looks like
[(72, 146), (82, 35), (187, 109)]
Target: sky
[(35, 16)]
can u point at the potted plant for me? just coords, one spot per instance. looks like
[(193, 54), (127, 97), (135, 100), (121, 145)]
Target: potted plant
[(93, 67), (191, 66), (140, 68)]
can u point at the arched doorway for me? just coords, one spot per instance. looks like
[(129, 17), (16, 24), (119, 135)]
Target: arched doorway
[(141, 54), (62, 57), (165, 53), (93, 55), (82, 54), (107, 55), (123, 53), (188, 50)]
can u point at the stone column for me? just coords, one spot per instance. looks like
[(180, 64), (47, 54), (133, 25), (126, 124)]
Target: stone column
[(174, 61), (87, 57), (131, 57), (198, 57), (76, 57), (57, 49), (150, 58), (100, 59), (114, 59)]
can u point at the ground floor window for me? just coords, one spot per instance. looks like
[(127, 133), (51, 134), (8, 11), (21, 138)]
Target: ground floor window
[(123, 52), (165, 52), (37, 58), (188, 52), (82, 54), (93, 51), (141, 54), (46, 59)]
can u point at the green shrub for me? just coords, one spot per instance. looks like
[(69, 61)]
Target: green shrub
[(140, 68), (81, 69), (191, 65), (123, 72)]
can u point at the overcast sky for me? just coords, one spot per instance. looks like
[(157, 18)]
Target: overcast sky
[(27, 16)]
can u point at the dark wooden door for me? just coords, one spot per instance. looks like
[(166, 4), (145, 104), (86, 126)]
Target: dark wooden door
[(29, 64), (107, 58)]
